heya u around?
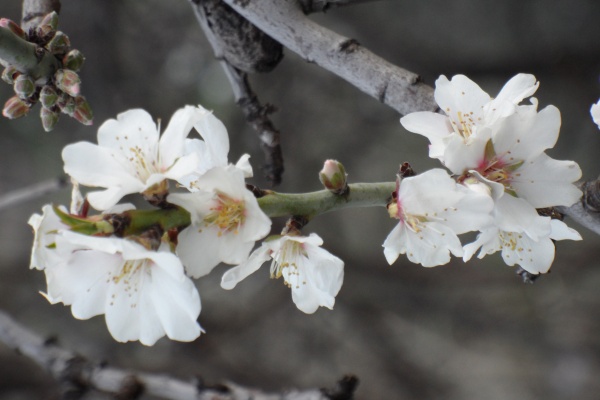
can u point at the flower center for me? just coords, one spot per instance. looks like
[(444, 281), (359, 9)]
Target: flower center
[(464, 125), (287, 258), (127, 278), (499, 168), (139, 161), (414, 222), (227, 215)]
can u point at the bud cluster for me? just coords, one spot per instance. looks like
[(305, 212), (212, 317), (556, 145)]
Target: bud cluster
[(59, 92)]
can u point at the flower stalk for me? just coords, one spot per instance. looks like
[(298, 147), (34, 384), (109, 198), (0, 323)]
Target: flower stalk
[(274, 204)]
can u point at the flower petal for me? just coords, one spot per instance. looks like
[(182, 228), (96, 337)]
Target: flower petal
[(546, 182)]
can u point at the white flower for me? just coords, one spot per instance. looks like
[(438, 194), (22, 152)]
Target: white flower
[(45, 228), (144, 294), (313, 274), (226, 221), (131, 157), (595, 111), (533, 255), (468, 108), (514, 157), (432, 210)]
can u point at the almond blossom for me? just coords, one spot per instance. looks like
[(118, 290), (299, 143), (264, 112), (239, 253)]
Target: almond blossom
[(432, 210), (144, 294), (313, 274), (468, 108), (226, 221), (501, 144), (132, 157)]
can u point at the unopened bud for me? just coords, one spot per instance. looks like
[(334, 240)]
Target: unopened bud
[(83, 112), (68, 81), (66, 104), (47, 27), (15, 108), (24, 86), (73, 60), (48, 96), (13, 27), (60, 44), (333, 176), (49, 119), (9, 74)]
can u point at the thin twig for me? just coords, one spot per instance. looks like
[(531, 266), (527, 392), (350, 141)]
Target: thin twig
[(312, 6), (79, 375), (396, 87), (257, 115), (31, 192)]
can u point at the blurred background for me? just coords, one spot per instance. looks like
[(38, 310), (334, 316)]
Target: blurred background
[(459, 331)]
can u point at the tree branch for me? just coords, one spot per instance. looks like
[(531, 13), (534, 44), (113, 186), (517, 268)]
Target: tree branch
[(31, 192), (586, 211), (256, 114), (311, 6), (76, 375), (284, 19), (35, 10), (26, 57)]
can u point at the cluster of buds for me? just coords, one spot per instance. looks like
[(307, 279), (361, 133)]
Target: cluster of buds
[(60, 90)]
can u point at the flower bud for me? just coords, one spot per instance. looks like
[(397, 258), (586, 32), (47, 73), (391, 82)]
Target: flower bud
[(60, 44), (66, 104), (68, 81), (48, 96), (49, 119), (333, 176), (9, 74), (83, 112), (24, 86), (73, 60), (47, 27), (13, 27), (15, 108)]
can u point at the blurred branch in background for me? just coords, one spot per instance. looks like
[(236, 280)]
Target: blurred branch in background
[(311, 6), (76, 375), (31, 192), (396, 87), (587, 211), (241, 48)]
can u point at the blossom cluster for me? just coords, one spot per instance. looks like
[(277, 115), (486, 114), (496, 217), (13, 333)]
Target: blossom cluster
[(502, 179), (141, 281)]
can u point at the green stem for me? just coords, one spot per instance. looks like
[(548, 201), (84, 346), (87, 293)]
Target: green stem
[(273, 204), (311, 204), (26, 57)]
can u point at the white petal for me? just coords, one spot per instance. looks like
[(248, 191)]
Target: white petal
[(514, 91), (172, 141), (489, 242), (533, 256), (433, 126), (546, 182), (461, 99), (244, 164), (236, 274), (215, 138), (560, 231), (517, 215), (595, 111), (198, 250), (524, 136), (460, 156), (132, 128)]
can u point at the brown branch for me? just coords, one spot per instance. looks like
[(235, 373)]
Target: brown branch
[(235, 63), (35, 10), (77, 375), (312, 6), (284, 19)]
